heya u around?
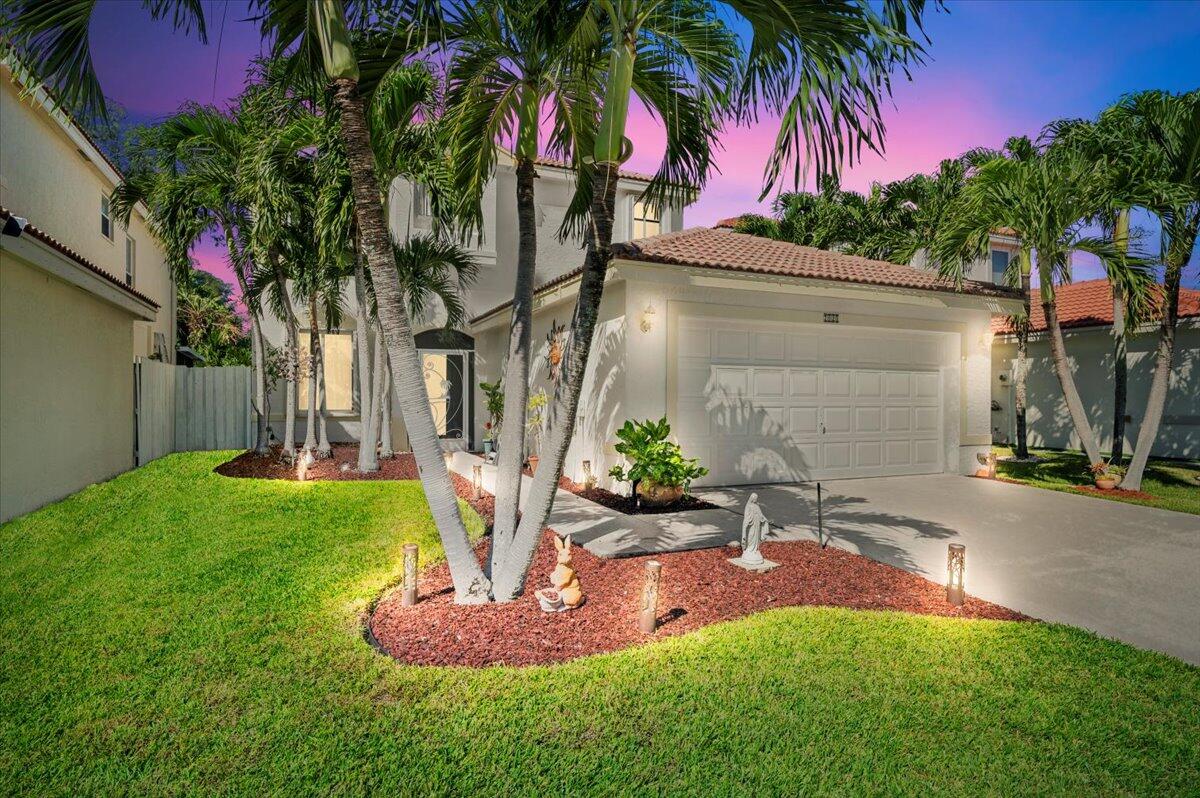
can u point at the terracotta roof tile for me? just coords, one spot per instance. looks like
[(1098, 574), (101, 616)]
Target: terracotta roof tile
[(55, 244), (736, 252), (1089, 304), (625, 173), (728, 223)]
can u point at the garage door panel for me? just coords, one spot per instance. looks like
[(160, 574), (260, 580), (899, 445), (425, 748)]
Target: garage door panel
[(761, 402)]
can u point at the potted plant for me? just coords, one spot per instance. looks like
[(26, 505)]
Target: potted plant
[(493, 402), (658, 471), (1106, 475), (534, 410)]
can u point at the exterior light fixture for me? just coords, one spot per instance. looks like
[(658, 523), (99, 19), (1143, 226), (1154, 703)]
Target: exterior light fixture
[(409, 597), (476, 482), (956, 563), (648, 615), (648, 318), (589, 479)]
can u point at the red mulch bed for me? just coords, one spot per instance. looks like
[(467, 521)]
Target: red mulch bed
[(698, 588), (627, 505), (1118, 493)]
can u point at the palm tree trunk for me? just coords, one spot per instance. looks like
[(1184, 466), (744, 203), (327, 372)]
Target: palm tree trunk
[(367, 461), (385, 413), (323, 448), (292, 343), (510, 458), (510, 578), (262, 436), (314, 346), (1157, 399), (470, 584), (1058, 353), (1120, 375), (378, 410), (1021, 400)]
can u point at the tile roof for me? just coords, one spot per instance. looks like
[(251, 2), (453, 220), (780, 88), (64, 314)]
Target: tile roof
[(624, 173), (725, 250), (52, 242), (1089, 304), (727, 223)]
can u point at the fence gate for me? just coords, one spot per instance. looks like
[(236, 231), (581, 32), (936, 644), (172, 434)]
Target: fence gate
[(181, 409)]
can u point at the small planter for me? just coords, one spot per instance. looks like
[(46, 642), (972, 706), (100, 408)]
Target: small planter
[(533, 461), (1107, 483), (658, 495), (487, 447)]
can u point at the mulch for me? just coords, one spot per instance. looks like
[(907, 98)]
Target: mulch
[(628, 505), (1118, 493), (698, 588)]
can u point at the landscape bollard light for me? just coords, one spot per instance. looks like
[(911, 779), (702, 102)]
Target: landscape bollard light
[(589, 480), (409, 597), (477, 482), (648, 617), (956, 563)]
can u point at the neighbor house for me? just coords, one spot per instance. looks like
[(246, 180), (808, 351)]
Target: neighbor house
[(451, 372), (775, 362), (81, 297), (1085, 312)]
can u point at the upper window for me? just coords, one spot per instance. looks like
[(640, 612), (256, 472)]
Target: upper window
[(130, 260), (647, 220), (106, 225), (420, 200), (1000, 258)]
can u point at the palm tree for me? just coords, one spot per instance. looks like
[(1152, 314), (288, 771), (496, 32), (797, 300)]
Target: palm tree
[(1162, 131), (821, 67), (1047, 198), (511, 59)]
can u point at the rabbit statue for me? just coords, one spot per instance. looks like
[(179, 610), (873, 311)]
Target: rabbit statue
[(564, 592)]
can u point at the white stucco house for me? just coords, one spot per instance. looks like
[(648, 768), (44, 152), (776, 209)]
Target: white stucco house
[(81, 297), (1085, 311), (449, 356), (775, 362)]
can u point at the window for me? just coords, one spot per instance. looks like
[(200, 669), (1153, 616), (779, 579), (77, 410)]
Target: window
[(130, 260), (338, 349), (647, 221), (420, 200), (106, 225), (1000, 259)]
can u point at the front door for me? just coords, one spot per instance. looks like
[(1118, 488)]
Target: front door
[(447, 376)]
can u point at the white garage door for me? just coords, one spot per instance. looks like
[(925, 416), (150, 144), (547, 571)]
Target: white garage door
[(760, 402)]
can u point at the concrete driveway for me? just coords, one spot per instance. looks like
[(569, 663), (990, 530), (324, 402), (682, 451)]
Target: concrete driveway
[(1124, 571)]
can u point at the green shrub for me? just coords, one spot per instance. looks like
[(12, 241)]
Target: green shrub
[(652, 457)]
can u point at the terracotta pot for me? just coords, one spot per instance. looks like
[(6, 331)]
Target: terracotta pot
[(658, 495), (533, 461), (1107, 483)]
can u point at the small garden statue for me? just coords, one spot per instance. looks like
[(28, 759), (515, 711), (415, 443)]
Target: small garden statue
[(988, 462), (564, 593), (754, 528)]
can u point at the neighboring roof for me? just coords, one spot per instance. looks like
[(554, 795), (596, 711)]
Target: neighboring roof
[(725, 250), (624, 173), (728, 223), (63, 249), (1090, 304)]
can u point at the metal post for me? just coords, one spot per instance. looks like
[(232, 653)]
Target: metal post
[(409, 598), (820, 520), (648, 617)]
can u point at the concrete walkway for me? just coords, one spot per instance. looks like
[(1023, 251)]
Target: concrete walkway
[(1124, 571)]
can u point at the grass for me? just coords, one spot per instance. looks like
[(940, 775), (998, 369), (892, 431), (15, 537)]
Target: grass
[(173, 632), (1173, 484)]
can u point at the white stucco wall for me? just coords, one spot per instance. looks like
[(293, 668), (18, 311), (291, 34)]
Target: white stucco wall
[(1091, 357), (46, 177)]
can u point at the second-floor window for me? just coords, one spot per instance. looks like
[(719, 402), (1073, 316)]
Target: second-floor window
[(647, 220), (130, 260), (1000, 259), (106, 225)]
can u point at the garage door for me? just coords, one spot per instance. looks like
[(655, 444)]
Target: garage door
[(760, 402)]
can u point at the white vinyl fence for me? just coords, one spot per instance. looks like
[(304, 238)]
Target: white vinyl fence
[(181, 409)]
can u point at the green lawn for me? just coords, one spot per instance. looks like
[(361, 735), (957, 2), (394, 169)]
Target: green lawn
[(174, 632), (1174, 484)]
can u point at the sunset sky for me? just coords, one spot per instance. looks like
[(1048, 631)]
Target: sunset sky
[(994, 69)]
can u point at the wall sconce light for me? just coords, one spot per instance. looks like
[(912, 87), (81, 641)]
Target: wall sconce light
[(589, 479), (409, 597), (985, 339), (648, 318), (476, 482), (956, 563)]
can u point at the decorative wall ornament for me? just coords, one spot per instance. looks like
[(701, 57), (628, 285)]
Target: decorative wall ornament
[(556, 341)]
